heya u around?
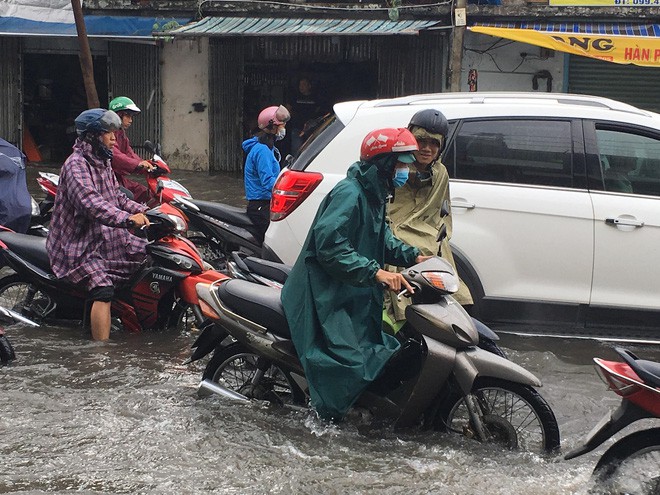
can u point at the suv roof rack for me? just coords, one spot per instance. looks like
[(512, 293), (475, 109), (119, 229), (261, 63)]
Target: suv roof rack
[(486, 97)]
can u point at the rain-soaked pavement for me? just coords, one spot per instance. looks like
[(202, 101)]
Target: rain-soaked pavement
[(124, 417)]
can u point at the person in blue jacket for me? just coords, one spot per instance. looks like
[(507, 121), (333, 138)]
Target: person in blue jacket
[(333, 298), (262, 165)]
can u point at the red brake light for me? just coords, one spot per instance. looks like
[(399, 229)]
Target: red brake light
[(291, 189)]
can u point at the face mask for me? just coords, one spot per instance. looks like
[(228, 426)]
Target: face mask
[(281, 133), (400, 176)]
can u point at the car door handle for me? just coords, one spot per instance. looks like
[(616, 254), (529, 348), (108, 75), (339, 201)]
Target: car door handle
[(462, 204), (623, 222)]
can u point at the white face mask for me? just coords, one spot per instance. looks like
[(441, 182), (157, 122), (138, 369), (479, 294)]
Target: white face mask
[(281, 134)]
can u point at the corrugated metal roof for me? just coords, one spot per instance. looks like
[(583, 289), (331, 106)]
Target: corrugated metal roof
[(256, 26)]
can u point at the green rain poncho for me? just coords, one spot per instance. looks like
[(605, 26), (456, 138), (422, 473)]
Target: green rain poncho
[(331, 299)]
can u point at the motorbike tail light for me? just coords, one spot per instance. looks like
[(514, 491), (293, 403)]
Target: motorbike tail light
[(208, 311), (614, 376), (290, 190), (443, 281)]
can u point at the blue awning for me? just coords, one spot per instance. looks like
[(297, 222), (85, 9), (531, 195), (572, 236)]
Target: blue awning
[(97, 26)]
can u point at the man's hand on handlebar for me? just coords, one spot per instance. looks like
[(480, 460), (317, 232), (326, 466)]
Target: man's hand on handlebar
[(393, 281), (147, 165), (139, 220), (421, 258)]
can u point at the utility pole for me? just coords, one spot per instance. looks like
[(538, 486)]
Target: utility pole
[(86, 64), (456, 59)]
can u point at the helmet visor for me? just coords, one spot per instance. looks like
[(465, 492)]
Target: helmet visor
[(110, 121), (282, 115)]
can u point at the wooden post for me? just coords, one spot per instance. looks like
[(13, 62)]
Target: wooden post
[(86, 64), (456, 57)]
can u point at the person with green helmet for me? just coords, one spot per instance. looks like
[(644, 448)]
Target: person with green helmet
[(125, 161)]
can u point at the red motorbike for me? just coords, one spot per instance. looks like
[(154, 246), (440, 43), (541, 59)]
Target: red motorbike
[(632, 464), (161, 294), (161, 188)]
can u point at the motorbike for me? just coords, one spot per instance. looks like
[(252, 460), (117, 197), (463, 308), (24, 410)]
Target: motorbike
[(224, 229), (631, 464), (161, 189), (440, 379), (273, 274), (7, 316), (161, 294)]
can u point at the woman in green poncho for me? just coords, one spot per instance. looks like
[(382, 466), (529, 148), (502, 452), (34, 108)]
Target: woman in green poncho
[(333, 298)]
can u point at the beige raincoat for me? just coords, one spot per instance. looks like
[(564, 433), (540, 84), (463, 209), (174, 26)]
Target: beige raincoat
[(414, 218)]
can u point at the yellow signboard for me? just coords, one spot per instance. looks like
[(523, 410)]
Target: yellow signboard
[(637, 50)]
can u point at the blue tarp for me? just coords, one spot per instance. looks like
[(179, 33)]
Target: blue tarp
[(97, 26), (15, 203)]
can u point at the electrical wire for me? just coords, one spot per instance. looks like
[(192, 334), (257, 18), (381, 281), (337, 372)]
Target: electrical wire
[(321, 7)]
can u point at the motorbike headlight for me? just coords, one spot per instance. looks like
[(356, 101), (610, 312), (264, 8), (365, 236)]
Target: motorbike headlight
[(179, 223), (35, 207), (443, 281)]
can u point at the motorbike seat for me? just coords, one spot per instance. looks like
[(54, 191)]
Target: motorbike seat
[(225, 213), (648, 371), (258, 303), (278, 272), (28, 247)]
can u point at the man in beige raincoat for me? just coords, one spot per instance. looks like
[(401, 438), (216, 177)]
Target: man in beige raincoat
[(415, 214)]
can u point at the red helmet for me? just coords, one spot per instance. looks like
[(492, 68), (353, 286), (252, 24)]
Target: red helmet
[(273, 115), (390, 140)]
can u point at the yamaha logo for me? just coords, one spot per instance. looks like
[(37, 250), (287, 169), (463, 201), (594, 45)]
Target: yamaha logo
[(155, 287), (164, 278)]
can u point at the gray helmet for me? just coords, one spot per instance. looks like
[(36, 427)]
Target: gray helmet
[(97, 120)]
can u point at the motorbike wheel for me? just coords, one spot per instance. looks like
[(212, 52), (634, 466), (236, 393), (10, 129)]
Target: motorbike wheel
[(631, 465), (24, 298), (211, 251), (235, 367), (7, 353), (514, 415)]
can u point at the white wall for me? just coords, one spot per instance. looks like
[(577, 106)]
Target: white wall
[(184, 82), (499, 67)]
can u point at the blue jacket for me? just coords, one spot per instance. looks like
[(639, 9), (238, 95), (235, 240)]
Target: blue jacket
[(261, 169)]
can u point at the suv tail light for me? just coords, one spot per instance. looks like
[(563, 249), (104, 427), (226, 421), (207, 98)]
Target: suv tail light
[(290, 190)]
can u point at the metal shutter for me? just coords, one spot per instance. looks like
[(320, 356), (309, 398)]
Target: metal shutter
[(226, 104), (10, 94), (628, 83), (135, 72)]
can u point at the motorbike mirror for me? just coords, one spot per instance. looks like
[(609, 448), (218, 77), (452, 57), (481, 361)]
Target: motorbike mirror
[(158, 150), (442, 233), (445, 209), (149, 146), (288, 160)]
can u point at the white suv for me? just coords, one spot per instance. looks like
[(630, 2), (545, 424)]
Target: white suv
[(555, 201)]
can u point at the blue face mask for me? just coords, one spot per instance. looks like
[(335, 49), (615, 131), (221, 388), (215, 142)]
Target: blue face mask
[(400, 176)]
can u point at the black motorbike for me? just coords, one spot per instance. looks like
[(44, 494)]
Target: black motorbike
[(223, 229)]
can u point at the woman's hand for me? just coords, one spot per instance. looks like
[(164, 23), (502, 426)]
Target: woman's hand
[(138, 220), (393, 281)]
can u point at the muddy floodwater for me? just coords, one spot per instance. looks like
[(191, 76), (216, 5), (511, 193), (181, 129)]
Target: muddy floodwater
[(124, 417)]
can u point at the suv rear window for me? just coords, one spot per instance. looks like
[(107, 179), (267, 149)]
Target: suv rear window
[(326, 130), (538, 152)]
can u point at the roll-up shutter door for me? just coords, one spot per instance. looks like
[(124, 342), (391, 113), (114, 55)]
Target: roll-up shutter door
[(410, 65), (628, 83), (10, 96), (135, 72), (226, 104)]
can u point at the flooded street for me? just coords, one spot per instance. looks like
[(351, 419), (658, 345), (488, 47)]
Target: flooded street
[(124, 417)]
